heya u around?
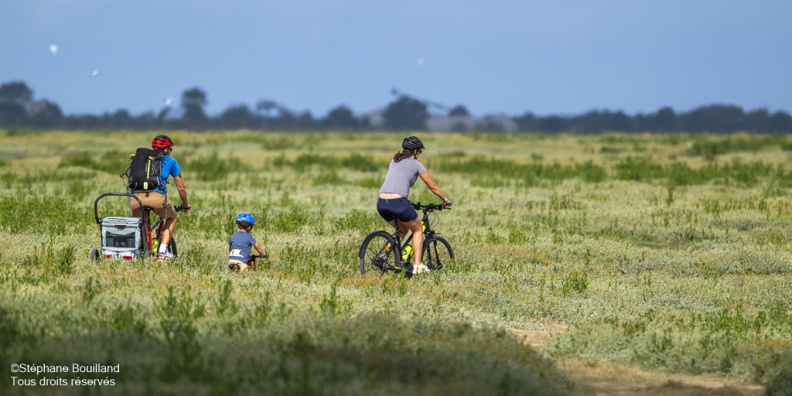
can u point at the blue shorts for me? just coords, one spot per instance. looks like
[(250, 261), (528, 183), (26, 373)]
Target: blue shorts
[(399, 208)]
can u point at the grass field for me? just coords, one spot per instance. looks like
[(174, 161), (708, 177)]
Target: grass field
[(669, 253)]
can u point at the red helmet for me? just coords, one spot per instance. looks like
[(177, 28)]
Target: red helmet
[(161, 142)]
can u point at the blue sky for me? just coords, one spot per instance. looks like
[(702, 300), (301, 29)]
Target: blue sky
[(511, 56)]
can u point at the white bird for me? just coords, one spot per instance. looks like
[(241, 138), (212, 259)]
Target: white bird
[(53, 48)]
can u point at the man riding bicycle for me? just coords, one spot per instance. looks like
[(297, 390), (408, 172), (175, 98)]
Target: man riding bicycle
[(392, 204), (157, 198)]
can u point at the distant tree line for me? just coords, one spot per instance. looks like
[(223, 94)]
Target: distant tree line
[(713, 118), (19, 109)]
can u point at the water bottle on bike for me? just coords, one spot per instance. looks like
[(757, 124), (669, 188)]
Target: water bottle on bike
[(407, 253)]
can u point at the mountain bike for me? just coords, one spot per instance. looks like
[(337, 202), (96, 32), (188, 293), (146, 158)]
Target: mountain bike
[(383, 252)]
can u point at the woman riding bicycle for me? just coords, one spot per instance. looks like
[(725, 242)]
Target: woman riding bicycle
[(392, 205)]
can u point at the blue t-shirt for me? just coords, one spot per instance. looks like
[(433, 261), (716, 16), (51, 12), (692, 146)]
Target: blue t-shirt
[(170, 167), (241, 243)]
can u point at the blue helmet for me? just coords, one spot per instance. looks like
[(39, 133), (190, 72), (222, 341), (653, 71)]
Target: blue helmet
[(245, 219)]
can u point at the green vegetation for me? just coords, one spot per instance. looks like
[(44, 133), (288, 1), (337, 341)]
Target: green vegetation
[(668, 252)]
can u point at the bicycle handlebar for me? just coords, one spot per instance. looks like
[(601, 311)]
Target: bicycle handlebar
[(428, 207)]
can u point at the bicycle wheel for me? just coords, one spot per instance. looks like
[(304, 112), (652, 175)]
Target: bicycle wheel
[(378, 253), (172, 248), (437, 252)]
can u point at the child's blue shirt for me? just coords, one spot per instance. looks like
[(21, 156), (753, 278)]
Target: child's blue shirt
[(241, 244)]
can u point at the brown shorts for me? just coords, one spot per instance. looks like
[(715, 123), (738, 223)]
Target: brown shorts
[(242, 266), (160, 203)]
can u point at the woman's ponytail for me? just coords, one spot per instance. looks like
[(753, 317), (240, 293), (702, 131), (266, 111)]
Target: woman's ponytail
[(402, 155)]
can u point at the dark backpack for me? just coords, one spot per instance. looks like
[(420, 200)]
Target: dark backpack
[(145, 167)]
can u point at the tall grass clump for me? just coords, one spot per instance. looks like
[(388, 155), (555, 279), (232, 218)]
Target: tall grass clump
[(307, 161), (529, 174), (711, 147), (112, 162), (213, 167), (680, 173)]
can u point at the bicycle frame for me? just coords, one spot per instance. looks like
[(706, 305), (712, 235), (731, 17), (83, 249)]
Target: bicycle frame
[(159, 225), (154, 231), (427, 230), (252, 260)]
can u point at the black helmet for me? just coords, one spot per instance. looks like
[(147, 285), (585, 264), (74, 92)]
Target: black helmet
[(412, 143)]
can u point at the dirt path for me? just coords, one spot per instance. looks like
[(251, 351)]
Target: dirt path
[(598, 378)]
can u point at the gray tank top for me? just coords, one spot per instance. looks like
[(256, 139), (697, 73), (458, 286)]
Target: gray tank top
[(401, 176)]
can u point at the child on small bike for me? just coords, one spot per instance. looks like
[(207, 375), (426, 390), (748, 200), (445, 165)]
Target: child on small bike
[(241, 244)]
